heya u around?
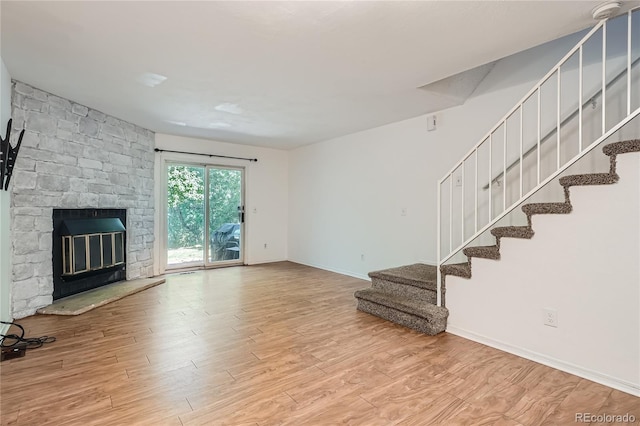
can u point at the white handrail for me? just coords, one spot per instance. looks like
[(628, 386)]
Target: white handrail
[(450, 251)]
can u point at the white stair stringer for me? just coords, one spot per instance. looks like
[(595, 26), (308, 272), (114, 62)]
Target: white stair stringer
[(586, 266)]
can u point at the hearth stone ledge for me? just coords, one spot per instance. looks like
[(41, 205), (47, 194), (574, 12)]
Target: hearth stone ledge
[(74, 157)]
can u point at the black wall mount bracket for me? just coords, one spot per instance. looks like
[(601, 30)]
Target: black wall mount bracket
[(8, 155)]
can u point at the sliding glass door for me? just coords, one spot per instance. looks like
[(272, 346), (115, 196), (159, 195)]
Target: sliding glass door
[(205, 215), (225, 214)]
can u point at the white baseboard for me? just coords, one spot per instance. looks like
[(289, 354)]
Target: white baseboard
[(263, 261), (603, 379), (337, 271)]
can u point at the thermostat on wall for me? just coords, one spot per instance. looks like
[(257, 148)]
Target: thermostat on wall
[(431, 123)]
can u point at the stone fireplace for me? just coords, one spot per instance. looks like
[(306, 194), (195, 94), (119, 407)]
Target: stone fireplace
[(74, 157)]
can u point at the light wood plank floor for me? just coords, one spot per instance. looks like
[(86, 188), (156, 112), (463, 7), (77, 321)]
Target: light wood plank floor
[(278, 344)]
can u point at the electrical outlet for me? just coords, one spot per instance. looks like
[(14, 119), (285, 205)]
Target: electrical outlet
[(362, 257), (403, 211), (550, 317)]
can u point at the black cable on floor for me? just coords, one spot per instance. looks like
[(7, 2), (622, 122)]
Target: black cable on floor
[(10, 340)]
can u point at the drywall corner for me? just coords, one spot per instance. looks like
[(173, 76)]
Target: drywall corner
[(5, 237)]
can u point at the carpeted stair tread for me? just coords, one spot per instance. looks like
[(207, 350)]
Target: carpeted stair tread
[(622, 147), (433, 324), (458, 269), (420, 309), (546, 208), (512, 232), (589, 179), (485, 252), (417, 275)]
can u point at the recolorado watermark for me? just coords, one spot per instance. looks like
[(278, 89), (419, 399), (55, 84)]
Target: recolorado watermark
[(605, 418)]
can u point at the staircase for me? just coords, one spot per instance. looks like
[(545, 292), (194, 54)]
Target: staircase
[(512, 153), (406, 295), (414, 295)]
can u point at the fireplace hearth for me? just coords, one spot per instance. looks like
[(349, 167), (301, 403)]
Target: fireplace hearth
[(88, 249)]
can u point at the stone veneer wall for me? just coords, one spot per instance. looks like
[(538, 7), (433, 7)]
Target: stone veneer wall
[(74, 157)]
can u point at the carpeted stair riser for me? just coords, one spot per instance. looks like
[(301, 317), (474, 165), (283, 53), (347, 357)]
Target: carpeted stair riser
[(402, 318), (545, 208), (423, 317), (614, 149), (512, 232), (493, 252), (405, 290), (484, 252), (458, 269)]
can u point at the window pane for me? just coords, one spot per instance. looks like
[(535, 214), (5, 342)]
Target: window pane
[(94, 252), (185, 214), (107, 246), (66, 248), (119, 248), (79, 251)]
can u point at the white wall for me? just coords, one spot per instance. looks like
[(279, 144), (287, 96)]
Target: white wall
[(584, 266), (266, 198), (346, 195), (5, 238)]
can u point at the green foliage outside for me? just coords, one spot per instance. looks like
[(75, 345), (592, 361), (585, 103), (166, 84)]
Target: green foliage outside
[(224, 197), (185, 212)]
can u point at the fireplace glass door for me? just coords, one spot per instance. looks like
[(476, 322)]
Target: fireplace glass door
[(205, 215), (83, 253)]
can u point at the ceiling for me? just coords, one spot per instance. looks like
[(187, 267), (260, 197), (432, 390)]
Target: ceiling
[(275, 74)]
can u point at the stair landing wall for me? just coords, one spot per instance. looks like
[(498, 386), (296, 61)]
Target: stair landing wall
[(584, 265)]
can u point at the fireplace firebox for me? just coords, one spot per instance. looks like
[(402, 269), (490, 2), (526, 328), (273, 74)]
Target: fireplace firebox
[(88, 249)]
